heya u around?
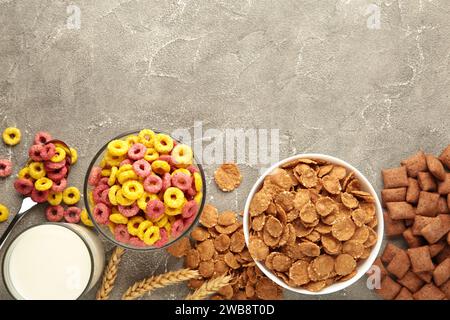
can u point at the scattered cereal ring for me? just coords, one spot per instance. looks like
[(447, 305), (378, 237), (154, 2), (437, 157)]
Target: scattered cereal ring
[(137, 151), (132, 189), (166, 181), (182, 155), (39, 196), (60, 155), (101, 213), (151, 155), (72, 215), (174, 197), (142, 168), (43, 184), (24, 173), (128, 211), (154, 210), (146, 137), (121, 233), (181, 181), (121, 200), (59, 186), (189, 209), (23, 186), (5, 168), (73, 156), (146, 197), (11, 136), (112, 192), (42, 137), (84, 217), (4, 213), (151, 235), (50, 166), (35, 152), (160, 167), (164, 237), (152, 184), (133, 225), (54, 198), (131, 140), (118, 218), (37, 170), (57, 174), (135, 241), (118, 148), (48, 152), (163, 143), (177, 228), (54, 213), (143, 226), (112, 176), (94, 176), (71, 195)]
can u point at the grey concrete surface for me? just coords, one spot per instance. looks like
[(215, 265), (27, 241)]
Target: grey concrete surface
[(324, 73)]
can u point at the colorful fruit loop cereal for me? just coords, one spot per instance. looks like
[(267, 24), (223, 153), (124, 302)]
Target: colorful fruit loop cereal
[(11, 136), (5, 168), (219, 248), (310, 224), (4, 213), (148, 185)]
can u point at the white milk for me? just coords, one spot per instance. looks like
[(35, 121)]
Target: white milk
[(53, 261)]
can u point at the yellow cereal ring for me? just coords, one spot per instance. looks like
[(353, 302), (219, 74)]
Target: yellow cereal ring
[(71, 195), (146, 137), (198, 182), (118, 148), (160, 167), (73, 155), (60, 155), (120, 198), (162, 221), (102, 163), (118, 218), (36, 170), (126, 175), (11, 136), (151, 235), (125, 167), (172, 211), (174, 197), (181, 170), (144, 199), (106, 172), (133, 225), (85, 218), (24, 173), (112, 176), (112, 161), (112, 194), (4, 213), (163, 143), (182, 155), (54, 198), (198, 198), (143, 226), (112, 227), (132, 140), (132, 189), (168, 227), (91, 198), (151, 154)]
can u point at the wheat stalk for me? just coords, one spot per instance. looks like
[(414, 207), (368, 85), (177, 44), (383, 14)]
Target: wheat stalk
[(140, 288), (110, 274), (210, 287)]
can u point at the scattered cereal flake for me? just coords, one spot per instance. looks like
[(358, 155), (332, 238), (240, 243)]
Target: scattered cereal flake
[(228, 229), (231, 261), (260, 202), (344, 264), (206, 250), (180, 248), (199, 234), (228, 177), (226, 218), (237, 242), (222, 243), (206, 268), (192, 259), (226, 292), (343, 229), (331, 184), (258, 222), (258, 249), (209, 216), (267, 290)]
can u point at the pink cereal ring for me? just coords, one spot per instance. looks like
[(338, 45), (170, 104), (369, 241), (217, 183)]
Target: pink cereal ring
[(57, 174), (152, 184), (103, 181), (94, 176), (135, 241), (137, 151), (192, 169), (154, 210), (54, 213), (49, 166), (168, 159), (39, 196), (129, 211), (189, 209), (59, 186), (166, 181), (23, 186), (142, 168), (72, 215), (35, 152), (181, 181), (164, 237), (101, 213), (97, 193), (42, 137), (104, 197), (126, 161), (121, 233), (177, 228), (5, 168), (48, 151), (187, 222), (191, 192)]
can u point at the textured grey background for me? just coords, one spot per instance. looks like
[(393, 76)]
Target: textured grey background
[(312, 69)]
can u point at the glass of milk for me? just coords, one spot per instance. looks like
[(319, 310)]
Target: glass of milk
[(53, 261)]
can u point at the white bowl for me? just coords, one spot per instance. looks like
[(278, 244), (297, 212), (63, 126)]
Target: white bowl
[(363, 266)]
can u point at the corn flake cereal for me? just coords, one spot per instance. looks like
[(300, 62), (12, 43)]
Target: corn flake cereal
[(228, 177)]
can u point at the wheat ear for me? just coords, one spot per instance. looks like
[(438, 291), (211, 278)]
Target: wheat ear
[(210, 287), (110, 274)]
